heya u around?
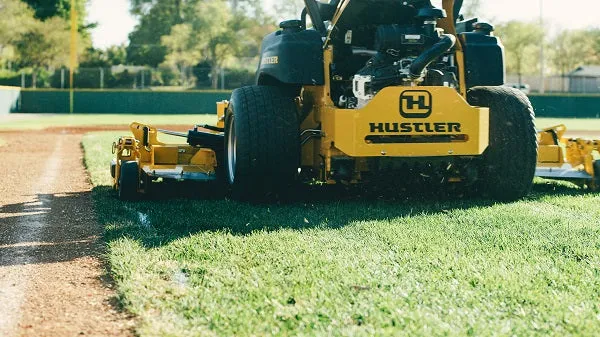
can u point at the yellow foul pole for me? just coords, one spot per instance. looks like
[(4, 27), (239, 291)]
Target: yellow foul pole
[(73, 56)]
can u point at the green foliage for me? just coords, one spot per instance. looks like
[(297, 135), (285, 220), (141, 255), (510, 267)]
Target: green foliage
[(156, 20), (572, 48), (237, 78), (522, 43), (182, 34), (116, 55), (45, 45), (182, 51), (45, 9), (112, 56), (17, 19), (37, 37), (210, 32)]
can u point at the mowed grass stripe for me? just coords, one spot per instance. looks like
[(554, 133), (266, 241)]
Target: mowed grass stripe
[(418, 266)]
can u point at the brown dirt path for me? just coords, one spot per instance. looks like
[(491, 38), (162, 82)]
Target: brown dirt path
[(52, 279)]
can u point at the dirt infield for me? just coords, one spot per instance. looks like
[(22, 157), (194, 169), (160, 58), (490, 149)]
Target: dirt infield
[(52, 279)]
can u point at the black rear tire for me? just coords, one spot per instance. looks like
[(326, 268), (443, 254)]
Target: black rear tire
[(262, 142), (508, 164), (129, 180)]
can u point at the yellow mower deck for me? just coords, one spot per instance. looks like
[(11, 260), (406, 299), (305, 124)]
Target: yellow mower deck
[(569, 159), (153, 159)]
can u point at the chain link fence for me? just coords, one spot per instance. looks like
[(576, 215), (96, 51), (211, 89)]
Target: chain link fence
[(202, 78), (558, 84), (132, 77)]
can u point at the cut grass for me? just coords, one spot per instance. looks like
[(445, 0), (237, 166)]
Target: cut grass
[(352, 266), (74, 120), (573, 124)]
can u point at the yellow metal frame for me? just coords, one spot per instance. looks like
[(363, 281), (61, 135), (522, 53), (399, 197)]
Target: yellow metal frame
[(555, 150), (345, 131), (350, 130), (157, 155)]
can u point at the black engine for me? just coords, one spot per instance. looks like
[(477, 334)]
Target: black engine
[(405, 54)]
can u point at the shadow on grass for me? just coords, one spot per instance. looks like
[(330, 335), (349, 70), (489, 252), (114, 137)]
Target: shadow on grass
[(176, 212)]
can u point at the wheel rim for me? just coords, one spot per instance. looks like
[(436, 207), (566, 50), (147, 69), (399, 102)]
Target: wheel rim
[(231, 151)]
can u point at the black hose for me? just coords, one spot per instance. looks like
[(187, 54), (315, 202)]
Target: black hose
[(446, 43), (315, 16), (303, 18), (457, 6)]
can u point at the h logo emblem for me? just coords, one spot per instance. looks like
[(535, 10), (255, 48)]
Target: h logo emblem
[(415, 104)]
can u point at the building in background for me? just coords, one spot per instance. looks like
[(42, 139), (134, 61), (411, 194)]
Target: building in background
[(585, 79)]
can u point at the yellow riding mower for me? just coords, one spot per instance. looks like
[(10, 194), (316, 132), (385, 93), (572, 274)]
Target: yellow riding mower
[(376, 91)]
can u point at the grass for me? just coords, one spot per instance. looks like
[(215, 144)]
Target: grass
[(573, 124), (74, 120), (346, 265)]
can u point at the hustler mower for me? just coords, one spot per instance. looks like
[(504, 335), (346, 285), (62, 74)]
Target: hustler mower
[(375, 90)]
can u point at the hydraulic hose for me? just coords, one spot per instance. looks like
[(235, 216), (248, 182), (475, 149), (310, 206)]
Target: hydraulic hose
[(457, 6), (446, 43)]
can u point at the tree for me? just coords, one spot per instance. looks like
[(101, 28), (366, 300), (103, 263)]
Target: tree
[(156, 20), (183, 52), (98, 58), (521, 41), (45, 45), (45, 9), (592, 37), (17, 19), (571, 49), (157, 17), (210, 33), (94, 58), (116, 55)]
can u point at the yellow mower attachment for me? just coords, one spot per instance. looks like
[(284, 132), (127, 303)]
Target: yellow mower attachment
[(142, 159), (570, 159)]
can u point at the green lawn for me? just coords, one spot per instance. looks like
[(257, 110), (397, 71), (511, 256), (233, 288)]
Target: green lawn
[(346, 265), (56, 120)]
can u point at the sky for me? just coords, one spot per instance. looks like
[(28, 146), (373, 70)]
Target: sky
[(115, 22)]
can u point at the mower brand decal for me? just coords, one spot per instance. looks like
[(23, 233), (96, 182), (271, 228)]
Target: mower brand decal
[(270, 60), (415, 127), (416, 104)]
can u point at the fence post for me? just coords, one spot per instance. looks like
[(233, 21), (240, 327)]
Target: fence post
[(143, 79), (22, 79), (101, 78), (62, 78), (222, 79)]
